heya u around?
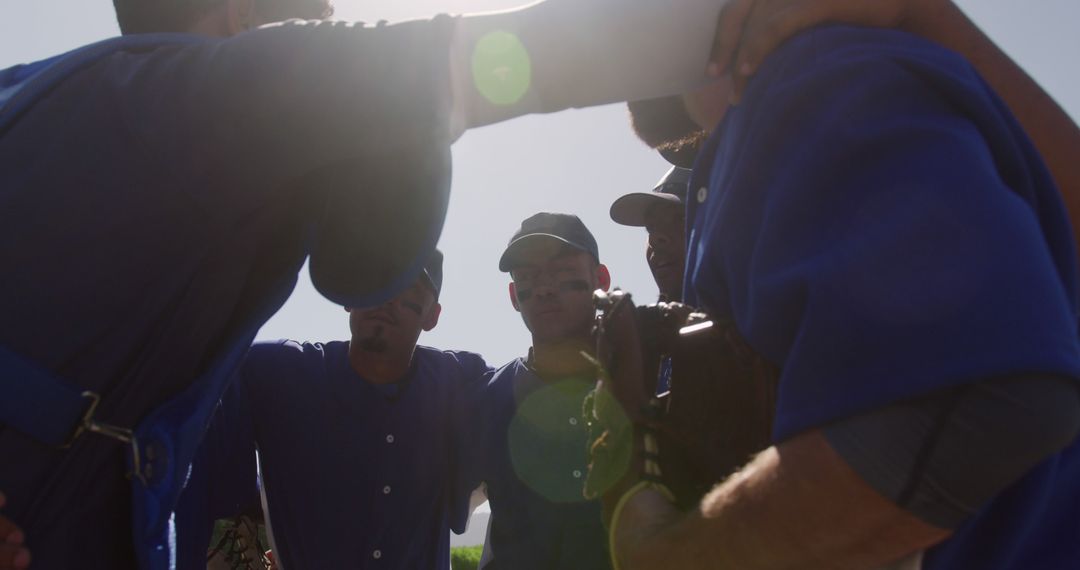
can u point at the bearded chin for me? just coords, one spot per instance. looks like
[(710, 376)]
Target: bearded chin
[(663, 124)]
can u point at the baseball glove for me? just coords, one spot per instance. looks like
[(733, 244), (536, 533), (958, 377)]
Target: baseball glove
[(715, 415)]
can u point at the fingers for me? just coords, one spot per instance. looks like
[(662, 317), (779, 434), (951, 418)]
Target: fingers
[(729, 30), (14, 557)]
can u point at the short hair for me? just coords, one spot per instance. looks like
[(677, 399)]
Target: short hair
[(153, 16)]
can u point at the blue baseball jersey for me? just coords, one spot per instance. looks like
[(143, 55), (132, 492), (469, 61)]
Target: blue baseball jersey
[(877, 223), (534, 461), (361, 475), (159, 198)]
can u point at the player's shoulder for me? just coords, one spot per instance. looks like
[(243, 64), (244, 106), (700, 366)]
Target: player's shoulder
[(863, 53), (286, 352), (504, 375), (822, 44), (467, 362)]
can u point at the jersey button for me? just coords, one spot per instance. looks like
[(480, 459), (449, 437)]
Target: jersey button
[(377, 554), (573, 421), (386, 490), (390, 438), (576, 474), (702, 193)]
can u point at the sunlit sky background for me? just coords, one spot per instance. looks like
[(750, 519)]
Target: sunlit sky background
[(574, 161)]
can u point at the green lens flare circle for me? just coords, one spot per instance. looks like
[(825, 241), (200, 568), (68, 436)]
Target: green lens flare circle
[(501, 68)]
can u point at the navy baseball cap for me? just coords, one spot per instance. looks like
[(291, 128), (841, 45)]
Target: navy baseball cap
[(433, 272), (564, 227), (630, 209)]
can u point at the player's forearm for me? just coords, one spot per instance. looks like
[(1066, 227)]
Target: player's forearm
[(797, 505), (575, 53), (1054, 133)]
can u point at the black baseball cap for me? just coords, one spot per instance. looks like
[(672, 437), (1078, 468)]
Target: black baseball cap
[(433, 272), (566, 228), (630, 210)]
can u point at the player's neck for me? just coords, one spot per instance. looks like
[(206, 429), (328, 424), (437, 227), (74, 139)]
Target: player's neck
[(561, 358), (385, 367)]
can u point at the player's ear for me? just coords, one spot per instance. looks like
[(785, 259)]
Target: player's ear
[(513, 297), (241, 15), (603, 276), (432, 317)]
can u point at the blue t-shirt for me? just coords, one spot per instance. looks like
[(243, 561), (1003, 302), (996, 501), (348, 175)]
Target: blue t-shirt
[(360, 475), (879, 226), (158, 200), (534, 463)]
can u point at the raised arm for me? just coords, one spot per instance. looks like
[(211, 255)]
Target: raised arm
[(283, 100)]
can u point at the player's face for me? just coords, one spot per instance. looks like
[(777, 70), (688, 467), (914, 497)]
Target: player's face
[(395, 325), (552, 288), (666, 251)]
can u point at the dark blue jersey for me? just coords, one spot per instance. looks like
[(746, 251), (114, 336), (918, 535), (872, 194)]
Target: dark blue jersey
[(157, 201), (534, 462), (879, 226), (359, 475)]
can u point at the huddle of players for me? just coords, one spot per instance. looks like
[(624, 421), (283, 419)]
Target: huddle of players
[(814, 259), (370, 449)]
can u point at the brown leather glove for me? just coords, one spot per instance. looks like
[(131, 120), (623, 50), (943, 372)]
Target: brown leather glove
[(717, 413)]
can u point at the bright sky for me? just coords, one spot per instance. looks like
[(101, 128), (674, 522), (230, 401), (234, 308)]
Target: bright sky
[(575, 161)]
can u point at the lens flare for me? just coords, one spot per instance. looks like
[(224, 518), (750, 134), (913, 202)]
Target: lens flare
[(547, 441), (502, 71)]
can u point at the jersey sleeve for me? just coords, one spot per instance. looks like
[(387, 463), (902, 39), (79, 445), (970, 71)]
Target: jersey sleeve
[(467, 439), (899, 236), (230, 442), (282, 101)]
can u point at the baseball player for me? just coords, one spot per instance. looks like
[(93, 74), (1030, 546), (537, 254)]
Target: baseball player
[(163, 190), (534, 457), (662, 214), (879, 226), (360, 443)]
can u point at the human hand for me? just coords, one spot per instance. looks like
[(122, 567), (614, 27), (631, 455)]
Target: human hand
[(13, 555), (749, 30)]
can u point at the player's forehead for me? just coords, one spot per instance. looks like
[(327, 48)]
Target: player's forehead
[(550, 254)]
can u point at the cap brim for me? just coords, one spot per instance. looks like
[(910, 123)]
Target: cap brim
[(506, 262), (630, 209)]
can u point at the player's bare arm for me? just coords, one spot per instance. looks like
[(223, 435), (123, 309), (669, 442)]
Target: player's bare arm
[(796, 505)]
